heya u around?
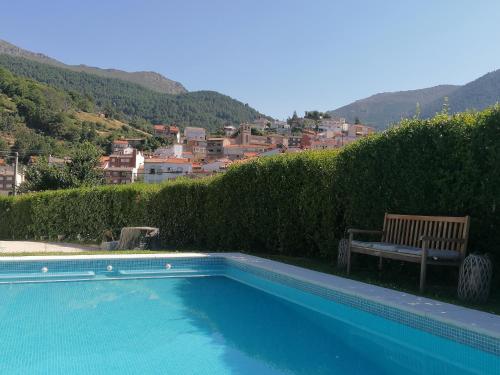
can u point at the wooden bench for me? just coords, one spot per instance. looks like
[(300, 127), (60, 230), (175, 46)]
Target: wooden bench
[(421, 239)]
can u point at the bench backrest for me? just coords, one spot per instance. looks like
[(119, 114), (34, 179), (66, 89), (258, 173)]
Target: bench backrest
[(407, 230)]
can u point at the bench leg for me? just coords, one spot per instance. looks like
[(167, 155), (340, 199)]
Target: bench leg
[(380, 263), (349, 255), (423, 270), (349, 260)]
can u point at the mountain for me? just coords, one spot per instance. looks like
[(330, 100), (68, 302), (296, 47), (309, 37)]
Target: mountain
[(151, 80), (383, 109), (39, 119), (130, 101), (475, 95)]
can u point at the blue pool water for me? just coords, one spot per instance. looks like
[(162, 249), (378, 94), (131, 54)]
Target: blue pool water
[(208, 325)]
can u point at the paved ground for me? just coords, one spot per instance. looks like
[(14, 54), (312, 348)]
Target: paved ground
[(43, 247)]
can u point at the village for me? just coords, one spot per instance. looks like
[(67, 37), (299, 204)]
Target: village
[(195, 153)]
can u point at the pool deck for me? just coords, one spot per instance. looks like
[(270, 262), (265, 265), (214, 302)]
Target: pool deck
[(18, 247), (473, 320)]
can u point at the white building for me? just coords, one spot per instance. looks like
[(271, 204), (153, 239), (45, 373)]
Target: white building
[(229, 130), (281, 127), (158, 170), (174, 151), (195, 134), (7, 179), (219, 165), (335, 125), (260, 124)]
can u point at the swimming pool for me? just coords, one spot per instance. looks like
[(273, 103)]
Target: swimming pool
[(210, 315)]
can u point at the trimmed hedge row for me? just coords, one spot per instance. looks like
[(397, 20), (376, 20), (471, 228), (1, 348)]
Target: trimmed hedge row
[(298, 204), (83, 214)]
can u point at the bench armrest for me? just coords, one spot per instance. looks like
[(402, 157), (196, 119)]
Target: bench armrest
[(441, 239), (352, 231)]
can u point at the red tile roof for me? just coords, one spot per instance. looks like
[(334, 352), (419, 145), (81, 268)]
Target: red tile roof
[(168, 160), (120, 142), (250, 154)]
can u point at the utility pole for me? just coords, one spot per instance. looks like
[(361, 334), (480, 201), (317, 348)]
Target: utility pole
[(16, 161)]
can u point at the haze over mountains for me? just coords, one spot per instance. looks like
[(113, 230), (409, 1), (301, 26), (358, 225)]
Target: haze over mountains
[(382, 110), (151, 80)]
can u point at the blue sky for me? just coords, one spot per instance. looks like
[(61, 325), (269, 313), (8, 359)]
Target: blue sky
[(276, 55)]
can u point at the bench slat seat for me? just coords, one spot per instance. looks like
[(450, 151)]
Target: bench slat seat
[(415, 238), (417, 252)]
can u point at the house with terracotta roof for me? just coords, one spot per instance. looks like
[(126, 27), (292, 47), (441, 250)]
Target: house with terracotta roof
[(159, 169), (195, 134), (359, 130), (219, 165), (215, 147), (233, 152), (166, 131), (119, 145), (123, 166)]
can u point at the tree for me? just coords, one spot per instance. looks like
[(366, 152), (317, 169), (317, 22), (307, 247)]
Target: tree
[(83, 169), (43, 176), (316, 116), (357, 121), (4, 146)]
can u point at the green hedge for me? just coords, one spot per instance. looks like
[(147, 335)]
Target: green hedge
[(83, 214), (298, 204)]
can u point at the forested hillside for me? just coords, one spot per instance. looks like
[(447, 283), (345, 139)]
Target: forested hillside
[(151, 80), (387, 108), (119, 98), (39, 119), (381, 110)]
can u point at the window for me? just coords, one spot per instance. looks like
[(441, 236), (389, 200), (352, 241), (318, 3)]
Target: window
[(152, 171)]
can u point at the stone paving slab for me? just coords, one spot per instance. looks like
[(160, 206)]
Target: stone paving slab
[(17, 247)]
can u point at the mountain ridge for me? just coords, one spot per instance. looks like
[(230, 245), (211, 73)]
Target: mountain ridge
[(383, 109), (208, 109), (149, 79)]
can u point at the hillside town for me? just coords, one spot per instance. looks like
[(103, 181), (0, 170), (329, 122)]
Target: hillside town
[(192, 152)]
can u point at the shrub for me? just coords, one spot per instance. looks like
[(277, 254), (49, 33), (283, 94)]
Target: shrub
[(298, 204), (83, 213)]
